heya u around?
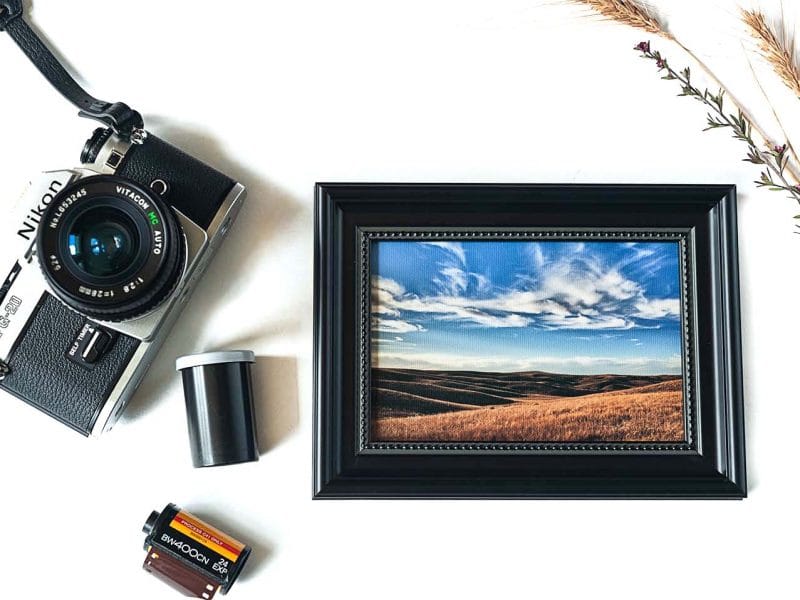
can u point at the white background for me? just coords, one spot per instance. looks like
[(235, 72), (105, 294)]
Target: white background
[(283, 94)]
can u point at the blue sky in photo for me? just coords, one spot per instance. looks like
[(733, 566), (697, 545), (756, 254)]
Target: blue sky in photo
[(562, 307)]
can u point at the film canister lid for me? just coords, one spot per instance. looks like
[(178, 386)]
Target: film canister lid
[(218, 389)]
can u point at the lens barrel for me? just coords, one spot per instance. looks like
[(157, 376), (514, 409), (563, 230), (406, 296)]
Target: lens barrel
[(110, 248)]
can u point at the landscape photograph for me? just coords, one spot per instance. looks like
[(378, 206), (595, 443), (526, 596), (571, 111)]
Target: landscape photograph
[(526, 341)]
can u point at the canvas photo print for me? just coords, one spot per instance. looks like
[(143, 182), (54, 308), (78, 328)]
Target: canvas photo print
[(526, 340)]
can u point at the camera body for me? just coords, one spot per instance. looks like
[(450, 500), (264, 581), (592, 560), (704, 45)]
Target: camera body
[(106, 256)]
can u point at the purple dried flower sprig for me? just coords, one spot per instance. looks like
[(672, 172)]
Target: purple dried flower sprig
[(775, 157)]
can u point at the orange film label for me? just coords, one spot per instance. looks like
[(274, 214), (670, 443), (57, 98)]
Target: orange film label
[(208, 536)]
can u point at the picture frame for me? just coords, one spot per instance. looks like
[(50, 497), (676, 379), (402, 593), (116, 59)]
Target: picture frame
[(697, 222)]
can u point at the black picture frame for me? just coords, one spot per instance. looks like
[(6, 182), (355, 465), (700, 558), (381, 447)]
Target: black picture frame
[(711, 462)]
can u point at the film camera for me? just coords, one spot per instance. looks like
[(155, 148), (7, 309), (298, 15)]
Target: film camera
[(107, 254)]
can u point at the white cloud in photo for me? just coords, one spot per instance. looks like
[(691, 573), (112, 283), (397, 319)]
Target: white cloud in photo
[(454, 248), (482, 283), (454, 308), (394, 326), (479, 318), (553, 364), (537, 255), (388, 285), (383, 292), (454, 281), (397, 342), (658, 309), (582, 321), (576, 291)]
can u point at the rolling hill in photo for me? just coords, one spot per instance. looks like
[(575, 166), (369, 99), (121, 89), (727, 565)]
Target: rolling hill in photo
[(456, 406)]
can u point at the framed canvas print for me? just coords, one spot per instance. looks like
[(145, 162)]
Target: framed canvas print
[(506, 341)]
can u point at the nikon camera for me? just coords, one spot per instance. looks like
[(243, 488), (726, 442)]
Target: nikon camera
[(107, 255)]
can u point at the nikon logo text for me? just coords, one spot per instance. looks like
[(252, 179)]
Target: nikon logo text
[(137, 198), (34, 216)]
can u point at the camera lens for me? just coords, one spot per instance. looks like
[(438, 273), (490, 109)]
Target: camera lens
[(110, 248), (103, 242)]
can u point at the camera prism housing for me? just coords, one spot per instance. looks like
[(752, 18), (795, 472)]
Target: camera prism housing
[(105, 257)]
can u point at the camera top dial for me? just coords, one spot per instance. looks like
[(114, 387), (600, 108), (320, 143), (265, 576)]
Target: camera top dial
[(110, 248)]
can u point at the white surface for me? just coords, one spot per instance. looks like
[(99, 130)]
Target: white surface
[(283, 94)]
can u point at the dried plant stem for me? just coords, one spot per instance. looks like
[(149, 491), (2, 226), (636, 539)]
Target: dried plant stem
[(636, 14), (774, 158), (765, 139), (778, 49), (777, 159), (790, 167)]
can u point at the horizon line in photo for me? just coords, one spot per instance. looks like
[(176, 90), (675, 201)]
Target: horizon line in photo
[(529, 371)]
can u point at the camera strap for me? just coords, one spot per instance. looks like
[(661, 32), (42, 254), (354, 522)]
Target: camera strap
[(126, 122)]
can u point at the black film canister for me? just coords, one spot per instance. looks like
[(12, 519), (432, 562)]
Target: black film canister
[(218, 389)]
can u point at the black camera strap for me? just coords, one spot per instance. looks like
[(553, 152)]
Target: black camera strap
[(125, 121)]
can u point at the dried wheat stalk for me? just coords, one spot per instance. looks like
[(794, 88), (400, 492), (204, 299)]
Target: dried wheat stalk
[(638, 15), (630, 13), (777, 48)]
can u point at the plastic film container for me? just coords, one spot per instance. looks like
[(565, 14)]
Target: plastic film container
[(218, 389)]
